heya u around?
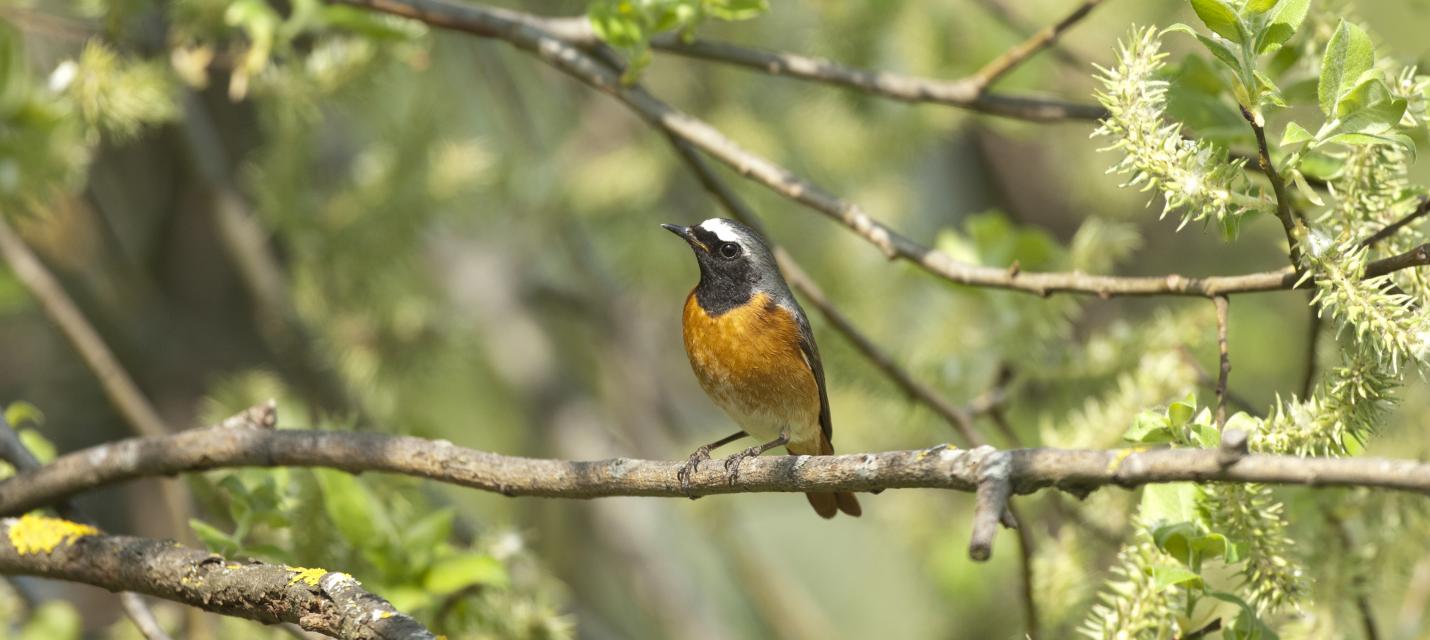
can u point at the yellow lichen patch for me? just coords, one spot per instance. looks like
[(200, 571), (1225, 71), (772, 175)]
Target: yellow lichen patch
[(1122, 454), (307, 576), (41, 534)]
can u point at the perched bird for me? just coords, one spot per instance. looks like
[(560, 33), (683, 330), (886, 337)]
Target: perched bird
[(753, 352)]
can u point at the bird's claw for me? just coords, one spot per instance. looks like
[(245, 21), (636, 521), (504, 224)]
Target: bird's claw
[(692, 465), (732, 464)]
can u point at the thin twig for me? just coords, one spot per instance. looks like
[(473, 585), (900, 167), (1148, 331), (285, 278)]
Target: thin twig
[(1391, 229), (572, 60), (965, 93), (1290, 222), (1010, 59), (1026, 552), (1205, 380), (328, 602), (1313, 342), (1348, 546), (999, 10), (121, 390), (1223, 356), (46, 289)]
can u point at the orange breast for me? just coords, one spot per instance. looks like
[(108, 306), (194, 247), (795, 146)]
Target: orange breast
[(749, 361)]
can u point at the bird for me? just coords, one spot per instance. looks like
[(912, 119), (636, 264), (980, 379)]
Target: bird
[(753, 352)]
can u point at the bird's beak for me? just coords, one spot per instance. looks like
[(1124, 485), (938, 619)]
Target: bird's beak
[(684, 232)]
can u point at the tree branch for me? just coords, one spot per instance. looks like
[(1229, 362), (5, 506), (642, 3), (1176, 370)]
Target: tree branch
[(317, 600), (941, 467), (550, 47), (965, 93), (1010, 59)]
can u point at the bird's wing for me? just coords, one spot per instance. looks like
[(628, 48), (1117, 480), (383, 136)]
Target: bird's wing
[(811, 357)]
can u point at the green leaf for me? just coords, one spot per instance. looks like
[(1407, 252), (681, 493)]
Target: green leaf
[(1367, 91), (1149, 426), (20, 414), (1246, 625), (428, 532), (1257, 7), (1175, 539), (1218, 49), (1171, 503), (464, 570), (353, 510), (213, 538), (1294, 134), (1282, 23), (1181, 411), (1219, 18), (1348, 55), (736, 9), (1170, 575)]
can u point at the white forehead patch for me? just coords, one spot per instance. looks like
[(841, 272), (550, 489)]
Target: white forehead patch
[(721, 229)]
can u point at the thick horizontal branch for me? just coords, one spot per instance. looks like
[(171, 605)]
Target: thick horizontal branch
[(314, 599), (940, 467), (559, 44)]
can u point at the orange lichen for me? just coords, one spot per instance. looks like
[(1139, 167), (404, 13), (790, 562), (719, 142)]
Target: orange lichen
[(41, 534)]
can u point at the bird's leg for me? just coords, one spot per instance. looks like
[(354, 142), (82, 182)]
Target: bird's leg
[(702, 454), (732, 463)]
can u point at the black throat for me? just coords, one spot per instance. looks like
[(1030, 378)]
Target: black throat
[(718, 292)]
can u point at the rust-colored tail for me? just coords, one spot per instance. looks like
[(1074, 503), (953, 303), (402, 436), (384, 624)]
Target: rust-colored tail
[(827, 505)]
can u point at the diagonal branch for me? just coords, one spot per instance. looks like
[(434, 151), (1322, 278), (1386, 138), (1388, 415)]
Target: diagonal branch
[(1290, 221), (552, 48), (121, 389), (1010, 59), (327, 602), (966, 93)]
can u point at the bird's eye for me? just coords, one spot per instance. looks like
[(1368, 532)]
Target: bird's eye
[(729, 250)]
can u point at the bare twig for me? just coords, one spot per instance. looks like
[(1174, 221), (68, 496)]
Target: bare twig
[(1010, 59), (318, 600), (121, 390), (966, 93), (1077, 471), (1026, 552), (1313, 343), (117, 384), (142, 617), (1290, 221), (1205, 380), (1395, 227), (550, 47), (995, 485), (1000, 11), (1223, 357)]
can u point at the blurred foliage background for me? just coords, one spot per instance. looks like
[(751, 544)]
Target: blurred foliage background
[(454, 241)]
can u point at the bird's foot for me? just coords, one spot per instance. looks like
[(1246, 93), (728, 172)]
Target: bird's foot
[(732, 463), (692, 465)]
